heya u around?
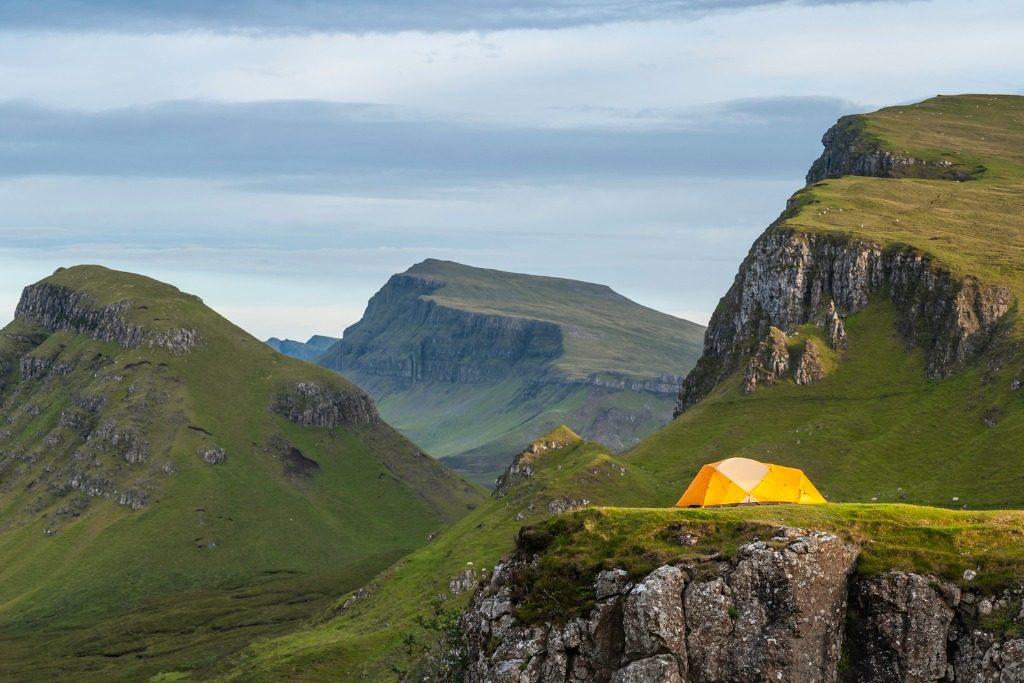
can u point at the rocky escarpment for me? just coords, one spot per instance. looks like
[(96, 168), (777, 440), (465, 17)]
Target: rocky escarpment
[(315, 405), (791, 278), (462, 346), (787, 609), (849, 150), (55, 307)]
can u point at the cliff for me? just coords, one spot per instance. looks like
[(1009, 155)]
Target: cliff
[(791, 606), (791, 278), (462, 346), (473, 363), (875, 224), (57, 307)]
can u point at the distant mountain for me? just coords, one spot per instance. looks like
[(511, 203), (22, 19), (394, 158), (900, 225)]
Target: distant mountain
[(171, 487), (307, 350), (472, 364)]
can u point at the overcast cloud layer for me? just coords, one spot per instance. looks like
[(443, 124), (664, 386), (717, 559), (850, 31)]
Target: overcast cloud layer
[(281, 158)]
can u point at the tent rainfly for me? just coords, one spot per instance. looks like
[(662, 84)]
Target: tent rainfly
[(736, 481)]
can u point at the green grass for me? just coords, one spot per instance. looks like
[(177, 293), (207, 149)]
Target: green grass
[(602, 330), (206, 529), (476, 428), (519, 386), (930, 541), (874, 435), (974, 227), (366, 640), (874, 428)]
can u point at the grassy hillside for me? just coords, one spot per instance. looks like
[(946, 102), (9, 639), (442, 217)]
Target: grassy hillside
[(125, 551), (472, 364), (876, 428), (974, 227), (370, 638), (390, 628)]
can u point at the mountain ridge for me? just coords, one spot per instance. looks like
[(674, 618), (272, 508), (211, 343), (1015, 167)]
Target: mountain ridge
[(151, 448), (472, 363)]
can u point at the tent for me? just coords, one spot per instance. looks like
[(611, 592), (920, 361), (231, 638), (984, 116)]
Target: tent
[(736, 481)]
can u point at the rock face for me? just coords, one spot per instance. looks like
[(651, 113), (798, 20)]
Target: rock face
[(466, 348), (315, 405), (906, 627), (770, 361), (810, 369), (669, 627), (849, 151), (792, 278), (790, 609), (58, 308), (835, 330)]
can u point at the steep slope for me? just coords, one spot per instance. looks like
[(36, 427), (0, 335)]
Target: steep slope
[(472, 363), (400, 622), (904, 284), (307, 350), (159, 467)]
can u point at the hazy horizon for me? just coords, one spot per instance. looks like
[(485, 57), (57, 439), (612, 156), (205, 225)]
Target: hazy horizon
[(283, 158)]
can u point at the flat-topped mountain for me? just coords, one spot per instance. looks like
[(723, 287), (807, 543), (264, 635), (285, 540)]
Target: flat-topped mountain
[(155, 457), (471, 363)]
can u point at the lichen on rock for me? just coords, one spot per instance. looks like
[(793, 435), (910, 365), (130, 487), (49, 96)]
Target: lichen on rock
[(810, 368), (769, 362)]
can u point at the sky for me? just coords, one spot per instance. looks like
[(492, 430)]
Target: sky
[(282, 158)]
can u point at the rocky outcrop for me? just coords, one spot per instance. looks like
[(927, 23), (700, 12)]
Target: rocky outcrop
[(788, 609), (790, 278), (769, 363), (809, 369), (524, 464), (901, 628), (464, 347), (59, 308), (835, 329), (316, 405), (213, 456), (910, 628), (849, 150), (777, 614)]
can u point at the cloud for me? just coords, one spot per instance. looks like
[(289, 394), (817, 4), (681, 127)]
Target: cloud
[(319, 147), (356, 16), (670, 243)]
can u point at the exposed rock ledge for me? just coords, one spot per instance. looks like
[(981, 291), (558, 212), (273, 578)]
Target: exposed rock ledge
[(848, 151), (789, 610), (60, 308), (315, 405), (790, 278)]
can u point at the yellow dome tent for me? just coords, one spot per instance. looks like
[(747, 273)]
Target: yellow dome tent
[(735, 481)]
